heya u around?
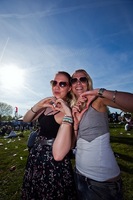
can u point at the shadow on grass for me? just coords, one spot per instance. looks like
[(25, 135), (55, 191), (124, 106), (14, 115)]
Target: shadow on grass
[(125, 168), (123, 157), (122, 140), (124, 160)]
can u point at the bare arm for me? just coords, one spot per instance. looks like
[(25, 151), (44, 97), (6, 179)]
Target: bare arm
[(123, 100), (63, 141), (120, 100), (37, 109)]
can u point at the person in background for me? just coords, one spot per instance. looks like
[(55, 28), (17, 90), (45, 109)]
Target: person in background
[(97, 174), (32, 138), (49, 173)]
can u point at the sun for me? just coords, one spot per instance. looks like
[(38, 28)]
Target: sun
[(11, 77)]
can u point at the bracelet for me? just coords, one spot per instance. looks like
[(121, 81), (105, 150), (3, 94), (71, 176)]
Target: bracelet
[(114, 96), (67, 119), (33, 111), (68, 123), (100, 92), (68, 116)]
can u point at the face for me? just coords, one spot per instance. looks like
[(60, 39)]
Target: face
[(79, 83), (60, 86)]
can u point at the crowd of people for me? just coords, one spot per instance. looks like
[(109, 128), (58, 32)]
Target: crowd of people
[(6, 127)]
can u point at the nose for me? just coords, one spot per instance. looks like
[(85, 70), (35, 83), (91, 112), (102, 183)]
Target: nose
[(57, 86), (78, 81)]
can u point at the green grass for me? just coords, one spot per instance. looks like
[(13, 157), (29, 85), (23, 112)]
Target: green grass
[(122, 144), (13, 153)]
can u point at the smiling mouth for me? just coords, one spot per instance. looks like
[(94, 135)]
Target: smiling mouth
[(79, 89)]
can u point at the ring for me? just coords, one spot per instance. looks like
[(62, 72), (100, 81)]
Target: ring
[(54, 105)]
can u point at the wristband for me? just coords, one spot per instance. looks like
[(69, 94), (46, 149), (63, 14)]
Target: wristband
[(114, 96), (33, 111), (100, 92), (66, 122), (68, 119)]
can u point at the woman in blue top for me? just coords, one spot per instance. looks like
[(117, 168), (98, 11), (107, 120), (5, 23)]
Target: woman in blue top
[(97, 172)]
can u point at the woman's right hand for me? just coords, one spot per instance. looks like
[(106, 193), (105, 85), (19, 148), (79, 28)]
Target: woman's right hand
[(44, 103), (38, 108)]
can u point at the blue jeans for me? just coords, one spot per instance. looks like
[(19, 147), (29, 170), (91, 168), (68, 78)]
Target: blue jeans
[(88, 189)]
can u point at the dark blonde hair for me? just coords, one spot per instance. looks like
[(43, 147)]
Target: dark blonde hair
[(89, 84), (65, 74)]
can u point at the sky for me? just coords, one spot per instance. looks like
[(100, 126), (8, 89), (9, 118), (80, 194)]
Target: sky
[(38, 38)]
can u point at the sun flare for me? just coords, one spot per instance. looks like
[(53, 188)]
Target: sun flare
[(11, 77)]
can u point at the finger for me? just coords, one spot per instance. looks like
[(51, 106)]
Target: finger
[(60, 101), (83, 99), (76, 110), (85, 94), (53, 104)]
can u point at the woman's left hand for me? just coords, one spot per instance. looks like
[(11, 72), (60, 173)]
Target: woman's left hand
[(90, 93), (90, 96), (62, 106)]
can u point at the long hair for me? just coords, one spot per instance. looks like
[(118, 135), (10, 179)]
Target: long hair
[(89, 84)]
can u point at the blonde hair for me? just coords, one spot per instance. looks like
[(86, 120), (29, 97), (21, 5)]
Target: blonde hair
[(89, 79), (89, 84)]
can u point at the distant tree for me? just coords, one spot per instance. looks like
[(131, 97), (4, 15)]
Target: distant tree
[(6, 118), (108, 111), (5, 110)]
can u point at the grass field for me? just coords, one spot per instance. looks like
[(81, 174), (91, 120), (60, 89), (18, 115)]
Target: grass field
[(13, 153)]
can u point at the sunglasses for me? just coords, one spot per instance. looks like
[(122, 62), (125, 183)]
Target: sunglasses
[(61, 84), (81, 79)]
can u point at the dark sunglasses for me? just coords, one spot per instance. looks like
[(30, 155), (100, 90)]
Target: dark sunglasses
[(61, 84), (81, 79)]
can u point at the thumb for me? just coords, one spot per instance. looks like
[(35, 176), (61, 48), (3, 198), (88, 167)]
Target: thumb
[(90, 99)]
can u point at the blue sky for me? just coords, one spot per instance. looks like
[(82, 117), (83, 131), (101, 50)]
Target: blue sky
[(40, 37)]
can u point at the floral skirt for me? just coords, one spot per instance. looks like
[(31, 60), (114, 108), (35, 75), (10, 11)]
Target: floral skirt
[(45, 178)]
